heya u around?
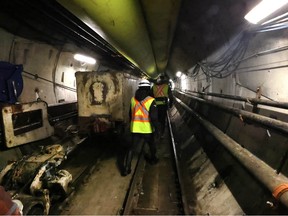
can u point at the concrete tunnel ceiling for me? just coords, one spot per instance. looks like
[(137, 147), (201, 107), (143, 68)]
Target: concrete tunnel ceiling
[(156, 35), (137, 29), (163, 35)]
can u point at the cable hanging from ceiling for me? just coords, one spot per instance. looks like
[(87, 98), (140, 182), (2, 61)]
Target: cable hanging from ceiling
[(228, 62)]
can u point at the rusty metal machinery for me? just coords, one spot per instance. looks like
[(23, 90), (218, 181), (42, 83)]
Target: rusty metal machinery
[(37, 179), (103, 100)]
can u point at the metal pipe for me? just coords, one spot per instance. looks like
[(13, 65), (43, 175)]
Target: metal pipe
[(128, 204), (63, 117), (263, 172), (253, 101), (184, 201), (35, 76), (242, 114)]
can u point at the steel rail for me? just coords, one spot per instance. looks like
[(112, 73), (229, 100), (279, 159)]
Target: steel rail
[(137, 176), (183, 197), (258, 168), (242, 114), (250, 100), (63, 117)]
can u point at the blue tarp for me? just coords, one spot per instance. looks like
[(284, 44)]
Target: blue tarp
[(11, 82)]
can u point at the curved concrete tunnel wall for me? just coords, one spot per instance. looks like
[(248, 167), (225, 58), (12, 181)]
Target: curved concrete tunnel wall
[(261, 73), (201, 154), (207, 194), (48, 69), (206, 163)]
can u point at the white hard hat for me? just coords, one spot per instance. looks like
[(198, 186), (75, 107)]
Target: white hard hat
[(144, 83)]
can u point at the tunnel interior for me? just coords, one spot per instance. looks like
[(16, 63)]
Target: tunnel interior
[(228, 78)]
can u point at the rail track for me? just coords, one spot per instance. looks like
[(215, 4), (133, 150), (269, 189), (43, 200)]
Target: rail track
[(151, 189), (156, 189)]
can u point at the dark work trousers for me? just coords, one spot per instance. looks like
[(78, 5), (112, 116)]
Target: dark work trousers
[(137, 141), (162, 115)]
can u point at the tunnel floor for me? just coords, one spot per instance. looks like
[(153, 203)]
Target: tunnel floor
[(103, 191)]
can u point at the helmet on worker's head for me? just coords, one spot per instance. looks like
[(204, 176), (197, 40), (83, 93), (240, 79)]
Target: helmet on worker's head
[(144, 83), (161, 78)]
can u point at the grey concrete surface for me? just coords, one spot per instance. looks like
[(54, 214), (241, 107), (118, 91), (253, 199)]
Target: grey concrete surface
[(103, 193)]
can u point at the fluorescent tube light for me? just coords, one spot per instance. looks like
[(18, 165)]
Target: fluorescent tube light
[(84, 59), (277, 18), (264, 9)]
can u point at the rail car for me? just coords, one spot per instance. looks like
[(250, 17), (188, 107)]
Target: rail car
[(104, 100), (34, 178)]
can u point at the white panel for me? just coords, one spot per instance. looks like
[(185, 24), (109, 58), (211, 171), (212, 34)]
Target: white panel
[(41, 131)]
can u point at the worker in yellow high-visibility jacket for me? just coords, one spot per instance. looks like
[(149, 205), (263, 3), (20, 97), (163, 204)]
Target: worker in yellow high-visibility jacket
[(162, 93), (143, 124)]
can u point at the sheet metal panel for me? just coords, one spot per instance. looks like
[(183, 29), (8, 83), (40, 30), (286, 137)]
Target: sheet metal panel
[(20, 126)]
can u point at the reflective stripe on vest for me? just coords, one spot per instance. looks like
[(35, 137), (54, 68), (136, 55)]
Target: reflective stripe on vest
[(140, 121), (160, 93)]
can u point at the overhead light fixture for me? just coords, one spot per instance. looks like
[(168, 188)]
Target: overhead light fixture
[(184, 83), (264, 9), (179, 73), (84, 59), (280, 17)]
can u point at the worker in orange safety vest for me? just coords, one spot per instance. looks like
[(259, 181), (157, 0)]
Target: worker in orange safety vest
[(143, 124), (162, 93)]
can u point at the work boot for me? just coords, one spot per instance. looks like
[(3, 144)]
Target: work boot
[(126, 171), (154, 161)]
